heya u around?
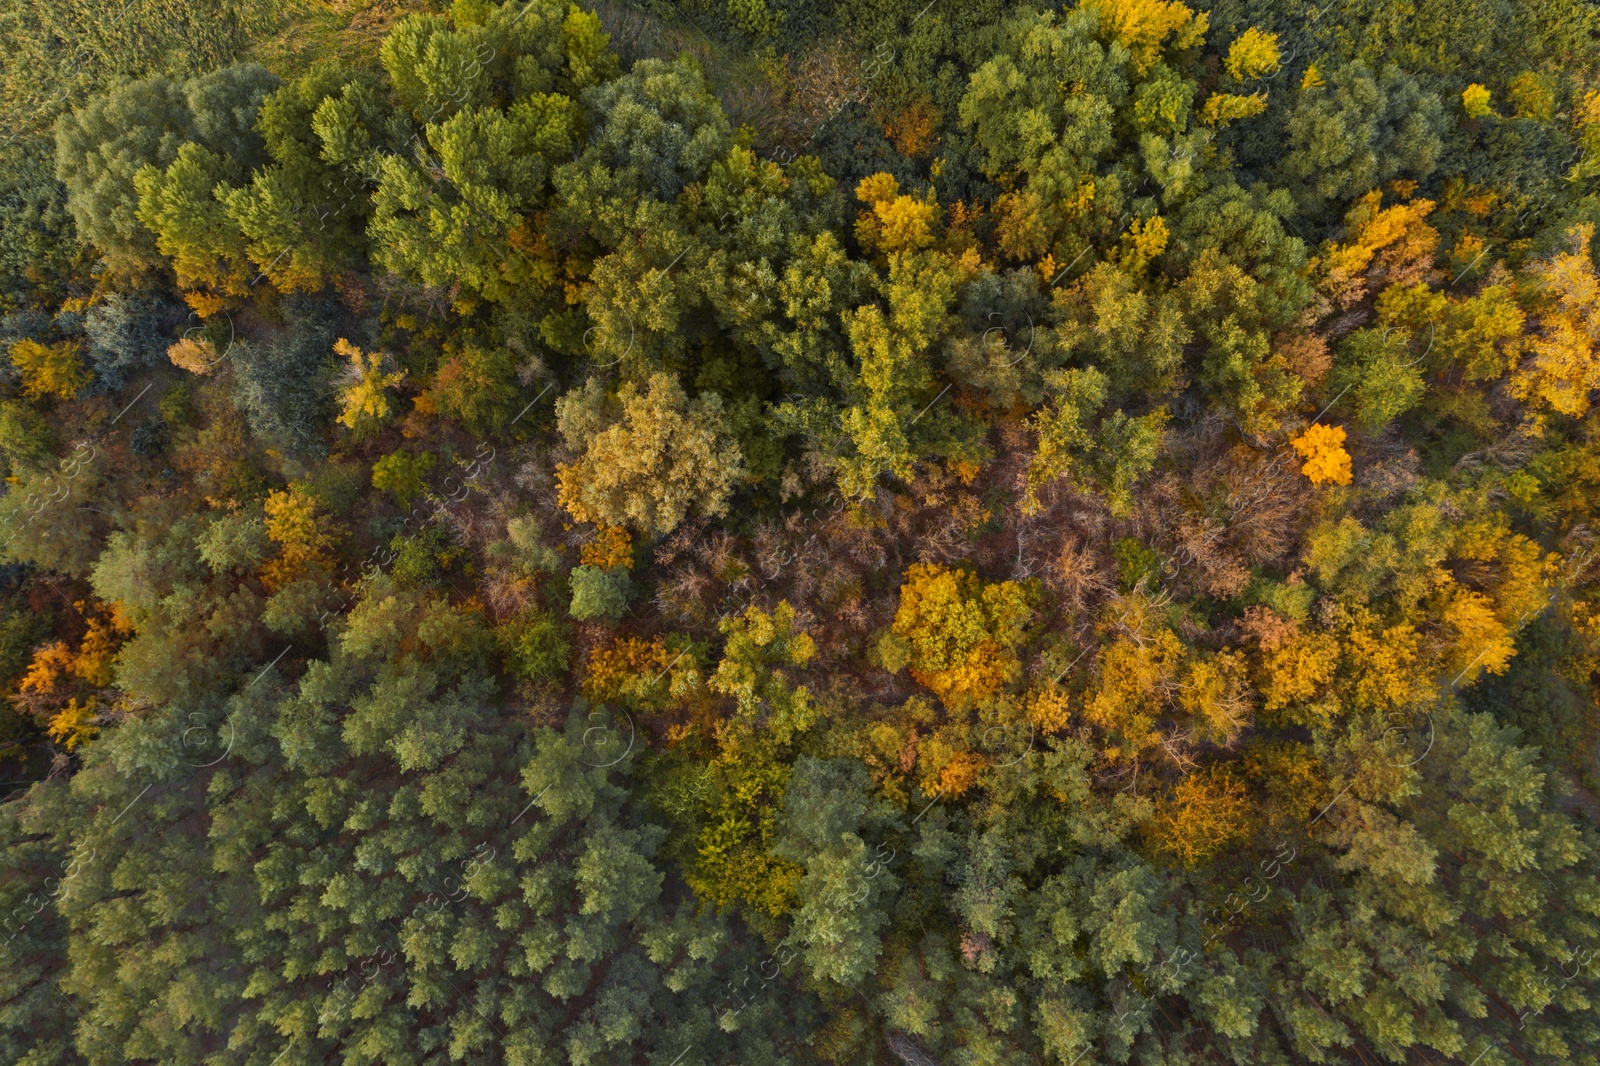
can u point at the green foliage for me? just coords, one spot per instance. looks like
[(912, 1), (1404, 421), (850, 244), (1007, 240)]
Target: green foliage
[(26, 437), (1378, 377), (977, 355), (535, 648), (401, 474), (1359, 130), (598, 593)]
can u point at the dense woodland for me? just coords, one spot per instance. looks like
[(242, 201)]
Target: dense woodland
[(799, 531)]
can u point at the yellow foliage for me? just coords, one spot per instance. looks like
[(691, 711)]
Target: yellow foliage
[(74, 724), (733, 850), (49, 369), (46, 682), (1216, 693), (1253, 55), (195, 356), (1311, 79), (1296, 670), (1587, 118), (1483, 641), (1145, 240), (1383, 663), (1475, 98), (643, 674), (611, 548), (895, 223), (915, 129), (1143, 26), (1373, 228), (1223, 108), (1049, 711), (1130, 689), (878, 188), (1322, 447), (204, 304), (99, 649), (1561, 367), (1532, 97), (365, 399), (962, 632), (305, 536), (1204, 814)]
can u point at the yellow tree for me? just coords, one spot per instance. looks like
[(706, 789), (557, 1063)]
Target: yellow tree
[(364, 401), (1322, 447), (958, 634), (305, 537), (1204, 814), (1560, 368), (1143, 27), (49, 369), (663, 457)]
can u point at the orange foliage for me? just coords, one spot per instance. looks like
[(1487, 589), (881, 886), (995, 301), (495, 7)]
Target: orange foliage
[(915, 129), (1393, 245), (646, 675), (1323, 450), (1202, 815), (611, 547), (960, 774)]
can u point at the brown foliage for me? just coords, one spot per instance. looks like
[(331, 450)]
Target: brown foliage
[(1237, 508), (914, 129)]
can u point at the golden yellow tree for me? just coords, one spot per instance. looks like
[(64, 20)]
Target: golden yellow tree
[(1252, 55), (960, 634), (895, 222), (364, 401), (305, 537), (1144, 26), (50, 369), (1322, 447), (1204, 814), (1475, 99), (1560, 368)]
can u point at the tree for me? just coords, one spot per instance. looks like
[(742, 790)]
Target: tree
[(1322, 447), (127, 333), (304, 213), (50, 369), (26, 438), (759, 648), (647, 458), (1377, 374), (1560, 368), (474, 386), (281, 384), (401, 474), (103, 145), (1109, 457), (960, 635), (364, 402), (458, 204), (598, 593), (1357, 129), (660, 125), (827, 809)]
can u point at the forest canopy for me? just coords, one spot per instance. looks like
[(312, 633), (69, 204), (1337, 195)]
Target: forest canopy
[(791, 531)]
